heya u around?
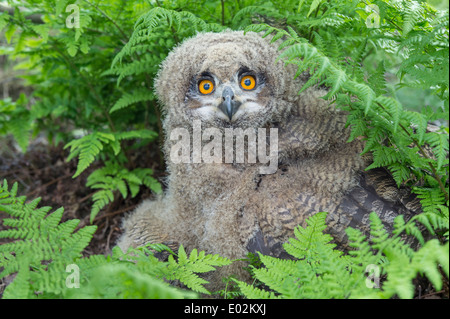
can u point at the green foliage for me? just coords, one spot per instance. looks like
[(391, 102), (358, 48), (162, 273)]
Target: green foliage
[(113, 177), (412, 43), (335, 41), (318, 270), (74, 88), (46, 258), (186, 267), (42, 245), (14, 119), (396, 137), (88, 147), (139, 274), (385, 62)]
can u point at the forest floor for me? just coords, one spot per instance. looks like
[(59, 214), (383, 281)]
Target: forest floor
[(44, 172)]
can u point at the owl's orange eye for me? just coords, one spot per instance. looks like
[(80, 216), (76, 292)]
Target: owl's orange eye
[(248, 82), (206, 86)]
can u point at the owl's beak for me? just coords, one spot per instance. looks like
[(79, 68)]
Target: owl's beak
[(229, 106)]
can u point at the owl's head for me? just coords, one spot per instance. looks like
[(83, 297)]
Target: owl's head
[(225, 79)]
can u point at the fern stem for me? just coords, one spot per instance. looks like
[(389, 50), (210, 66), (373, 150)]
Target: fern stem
[(109, 18), (314, 29), (223, 11), (394, 24)]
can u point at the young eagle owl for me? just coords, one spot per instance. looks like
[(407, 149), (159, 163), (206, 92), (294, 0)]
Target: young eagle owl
[(232, 80)]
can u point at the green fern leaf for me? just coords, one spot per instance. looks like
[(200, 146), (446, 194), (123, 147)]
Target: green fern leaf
[(101, 199), (314, 5), (87, 148), (143, 134), (42, 247), (377, 80), (413, 13), (378, 234), (131, 98), (439, 143), (20, 287), (306, 238), (252, 292), (185, 268), (418, 121), (20, 127), (394, 109), (362, 91)]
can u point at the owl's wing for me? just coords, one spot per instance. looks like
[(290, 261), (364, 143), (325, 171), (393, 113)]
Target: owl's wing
[(375, 192)]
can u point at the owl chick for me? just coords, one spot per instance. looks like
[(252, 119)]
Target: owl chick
[(217, 85)]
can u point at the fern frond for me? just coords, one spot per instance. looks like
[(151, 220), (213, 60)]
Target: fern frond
[(307, 238), (439, 144), (145, 175), (252, 292), (156, 17), (101, 199), (377, 80), (42, 246), (123, 282), (87, 148), (384, 156), (361, 248), (20, 127), (113, 177), (431, 199), (402, 269), (413, 13), (243, 16), (128, 99), (149, 65), (434, 221), (185, 268), (418, 121), (46, 246), (314, 5), (20, 288), (378, 234), (364, 92), (143, 134), (394, 109)]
